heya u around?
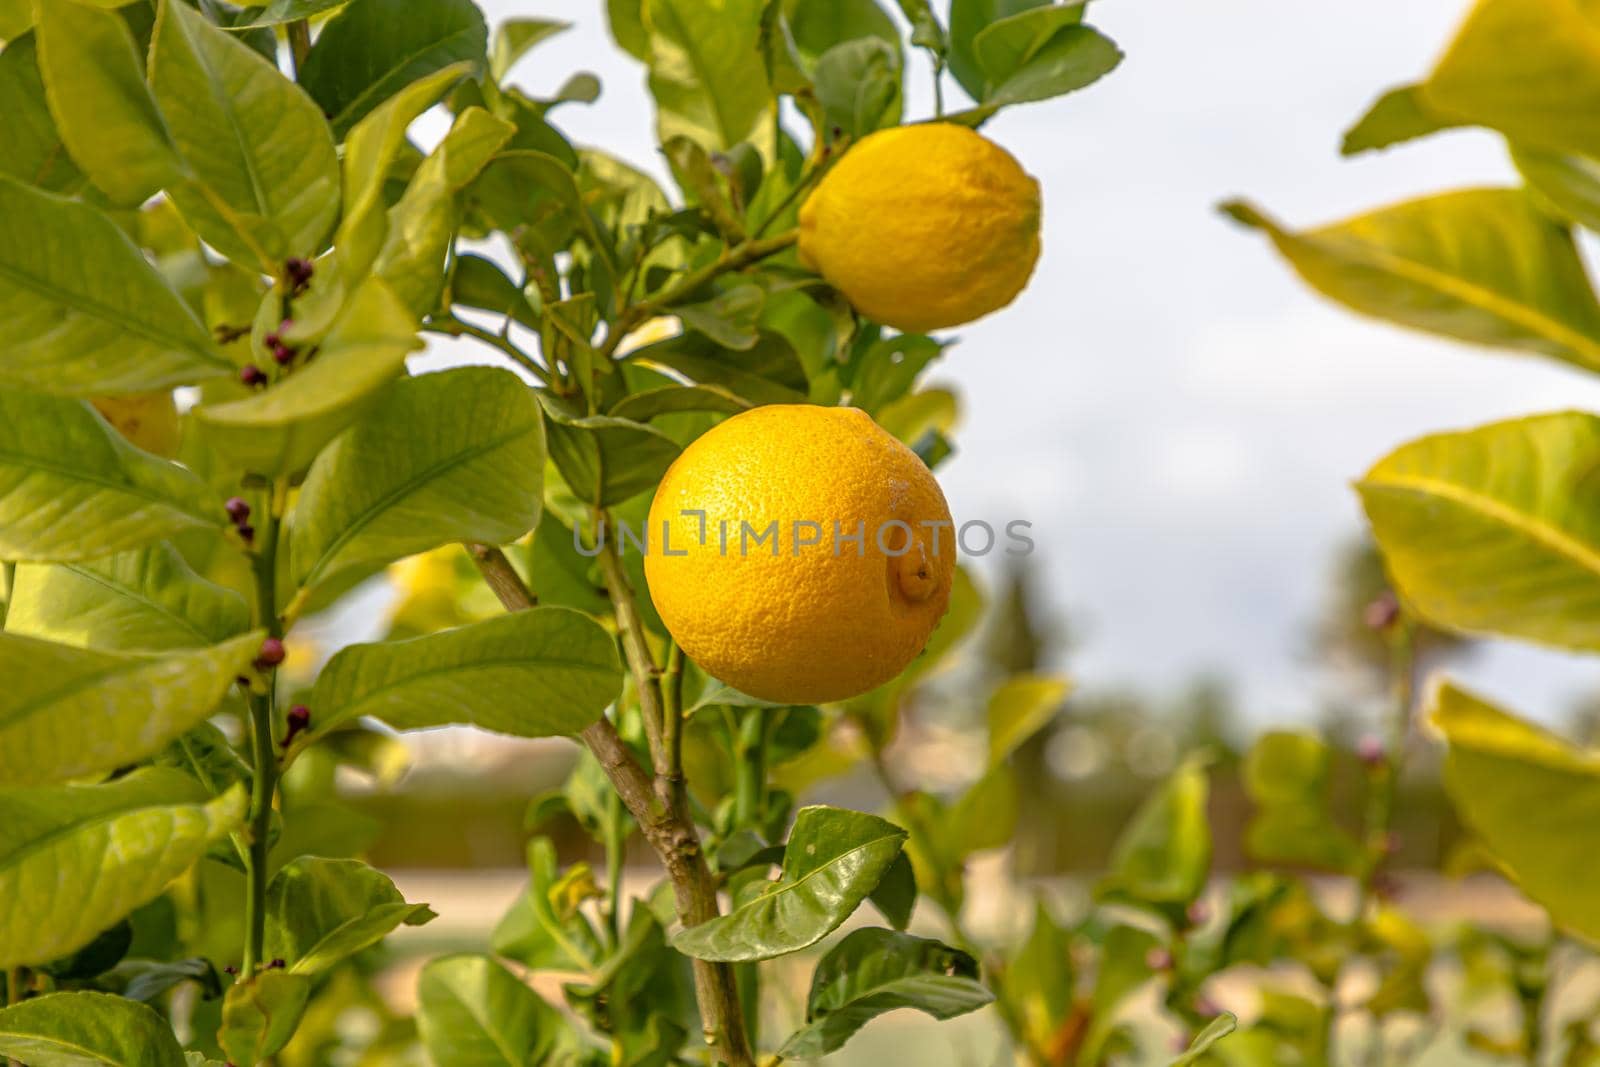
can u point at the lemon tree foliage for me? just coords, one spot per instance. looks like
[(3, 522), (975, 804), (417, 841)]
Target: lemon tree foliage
[(230, 232), (1490, 530)]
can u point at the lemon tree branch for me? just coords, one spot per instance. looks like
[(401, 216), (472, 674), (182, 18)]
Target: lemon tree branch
[(735, 258), (671, 835)]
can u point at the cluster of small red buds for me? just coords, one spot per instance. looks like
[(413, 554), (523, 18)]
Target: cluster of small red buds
[(282, 353), (239, 514)]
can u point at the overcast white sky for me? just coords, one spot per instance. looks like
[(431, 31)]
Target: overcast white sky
[(1176, 414)]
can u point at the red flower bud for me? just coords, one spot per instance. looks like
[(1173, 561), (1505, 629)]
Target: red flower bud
[(271, 654), (1383, 612), (252, 375), (238, 510), (283, 354)]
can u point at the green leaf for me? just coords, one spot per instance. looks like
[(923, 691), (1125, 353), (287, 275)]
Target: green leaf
[(472, 1012), (1495, 530), (266, 178), (277, 12), (323, 911), (514, 37), (83, 1029), (370, 151), (1484, 266), (1214, 1031), (1566, 186), (260, 1015), (81, 310), (896, 892), (1528, 68), (769, 373), (72, 488), (477, 282), (94, 81), (859, 85), (875, 971), (1286, 776), (1163, 857), (1399, 115), (76, 858), (69, 712), (373, 49), (544, 672), (605, 459), (818, 25), (1049, 57), (453, 456), (147, 600), (539, 930), (1529, 797), (281, 430), (34, 153), (675, 399), (1020, 707), (707, 73), (423, 225), (833, 860), (969, 18), (1039, 982)]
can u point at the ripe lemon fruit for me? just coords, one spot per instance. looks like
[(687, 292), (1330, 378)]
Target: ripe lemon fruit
[(149, 420), (771, 590), (924, 227)]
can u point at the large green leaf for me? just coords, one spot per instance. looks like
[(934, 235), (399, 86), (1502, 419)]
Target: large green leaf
[(538, 673), (94, 80), (1061, 58), (969, 18), (373, 49), (874, 971), (72, 488), (323, 911), (1497, 529), (833, 860), (472, 1012), (75, 859), (422, 226), (1568, 186), (148, 600), (371, 148), (281, 430), (82, 312), (707, 73), (1530, 797), (67, 712), (1163, 857), (1040, 985), (1480, 265), (266, 177), (85, 1029), (1529, 68), (453, 456), (34, 153)]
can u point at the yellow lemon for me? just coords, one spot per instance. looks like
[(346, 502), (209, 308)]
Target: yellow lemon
[(149, 420), (800, 554), (924, 227)]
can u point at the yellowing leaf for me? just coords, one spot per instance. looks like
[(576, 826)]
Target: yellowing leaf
[(1484, 266), (1496, 530)]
